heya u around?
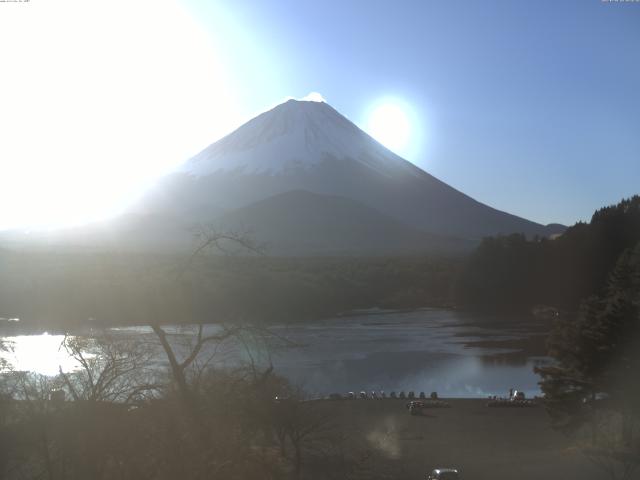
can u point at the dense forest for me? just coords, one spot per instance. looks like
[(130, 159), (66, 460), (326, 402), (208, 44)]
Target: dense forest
[(515, 273), (47, 290)]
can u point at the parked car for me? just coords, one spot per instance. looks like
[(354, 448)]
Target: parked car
[(518, 396), (444, 474), (415, 407)]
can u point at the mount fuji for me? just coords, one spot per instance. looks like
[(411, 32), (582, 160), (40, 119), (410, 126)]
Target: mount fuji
[(304, 176)]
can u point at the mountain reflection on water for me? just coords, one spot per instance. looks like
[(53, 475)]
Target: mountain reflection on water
[(457, 354)]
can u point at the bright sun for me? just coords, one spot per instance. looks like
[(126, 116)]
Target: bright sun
[(98, 98), (389, 124)]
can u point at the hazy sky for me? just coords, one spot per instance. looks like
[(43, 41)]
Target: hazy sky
[(529, 106)]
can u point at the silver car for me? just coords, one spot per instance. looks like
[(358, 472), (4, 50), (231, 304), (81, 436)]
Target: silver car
[(444, 474)]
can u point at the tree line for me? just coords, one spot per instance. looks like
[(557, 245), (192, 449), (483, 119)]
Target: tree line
[(515, 273), (49, 289)]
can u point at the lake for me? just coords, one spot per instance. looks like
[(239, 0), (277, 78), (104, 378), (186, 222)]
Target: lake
[(455, 353)]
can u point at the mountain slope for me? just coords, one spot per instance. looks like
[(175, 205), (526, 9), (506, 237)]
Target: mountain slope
[(309, 146), (300, 222)]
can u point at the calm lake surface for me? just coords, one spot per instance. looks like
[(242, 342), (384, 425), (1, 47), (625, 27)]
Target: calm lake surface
[(454, 353)]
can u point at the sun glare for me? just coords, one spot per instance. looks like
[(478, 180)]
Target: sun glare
[(42, 354), (98, 98), (389, 124)]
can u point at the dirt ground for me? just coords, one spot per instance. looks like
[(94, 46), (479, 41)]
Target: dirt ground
[(483, 443)]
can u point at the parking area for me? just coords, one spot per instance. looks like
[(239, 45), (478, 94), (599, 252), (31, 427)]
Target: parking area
[(484, 443)]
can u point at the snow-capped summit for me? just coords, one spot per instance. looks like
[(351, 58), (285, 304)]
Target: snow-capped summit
[(294, 135)]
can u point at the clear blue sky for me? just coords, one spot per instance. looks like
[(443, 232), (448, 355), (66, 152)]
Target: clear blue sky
[(529, 106)]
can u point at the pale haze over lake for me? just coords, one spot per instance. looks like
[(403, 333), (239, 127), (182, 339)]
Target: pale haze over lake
[(423, 350)]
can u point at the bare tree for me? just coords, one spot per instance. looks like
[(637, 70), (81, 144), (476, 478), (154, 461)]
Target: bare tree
[(110, 369), (179, 367), (85, 432), (226, 243), (300, 424), (221, 243)]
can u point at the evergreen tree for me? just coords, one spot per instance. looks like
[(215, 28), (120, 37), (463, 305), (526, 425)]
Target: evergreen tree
[(593, 384)]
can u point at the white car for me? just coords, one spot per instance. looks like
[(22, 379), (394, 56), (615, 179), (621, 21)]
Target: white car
[(444, 474)]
